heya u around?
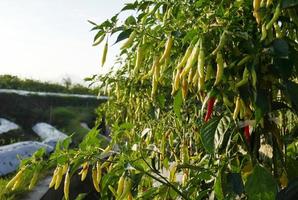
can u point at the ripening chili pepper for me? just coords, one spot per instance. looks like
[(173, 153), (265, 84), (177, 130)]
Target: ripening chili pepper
[(99, 174), (53, 181), (15, 178), (120, 185), (222, 42), (66, 185), (237, 108), (59, 177), (276, 15), (139, 59), (33, 180), (126, 188), (185, 57), (129, 41), (210, 106), (256, 6), (104, 54), (247, 134), (94, 179), (99, 40), (84, 171), (167, 50), (191, 60), (201, 60), (220, 68), (264, 32)]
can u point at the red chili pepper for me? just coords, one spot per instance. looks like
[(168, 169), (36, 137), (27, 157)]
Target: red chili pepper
[(209, 108), (247, 134)]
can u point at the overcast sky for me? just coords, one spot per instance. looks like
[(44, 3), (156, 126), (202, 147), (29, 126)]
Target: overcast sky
[(51, 39)]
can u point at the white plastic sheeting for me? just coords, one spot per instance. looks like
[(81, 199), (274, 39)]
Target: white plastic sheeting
[(6, 126), (47, 132), (11, 154), (26, 93)]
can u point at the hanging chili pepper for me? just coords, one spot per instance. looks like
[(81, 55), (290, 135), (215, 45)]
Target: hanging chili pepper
[(210, 106), (247, 134)]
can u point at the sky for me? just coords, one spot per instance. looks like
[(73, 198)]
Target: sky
[(49, 40)]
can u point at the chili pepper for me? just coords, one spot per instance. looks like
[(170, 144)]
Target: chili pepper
[(65, 168), (33, 180), (104, 54), (201, 60), (276, 15), (120, 185), (16, 184), (244, 78), (59, 177), (210, 106), (220, 68), (269, 2), (256, 6), (201, 84), (185, 57), (84, 171), (222, 42), (208, 72), (167, 50), (237, 108), (184, 89), (94, 178), (244, 60), (264, 32), (15, 178), (99, 40), (129, 41), (191, 60), (98, 176), (66, 185), (254, 77), (126, 188), (53, 181), (176, 82), (139, 59), (247, 134)]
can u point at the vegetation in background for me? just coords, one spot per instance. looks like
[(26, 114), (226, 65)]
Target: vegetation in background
[(14, 82), (207, 92)]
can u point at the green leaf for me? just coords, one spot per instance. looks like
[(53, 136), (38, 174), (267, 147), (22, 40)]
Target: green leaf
[(261, 184), (292, 91), (261, 104), (123, 35), (130, 6), (235, 183), (130, 20), (91, 22), (213, 132), (178, 100), (218, 186), (280, 48), (289, 3)]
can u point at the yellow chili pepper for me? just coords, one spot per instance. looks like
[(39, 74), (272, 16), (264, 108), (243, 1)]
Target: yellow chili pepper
[(120, 185), (66, 185), (15, 178), (129, 41), (94, 178), (104, 54), (237, 108), (33, 180), (59, 177), (220, 68), (167, 50)]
